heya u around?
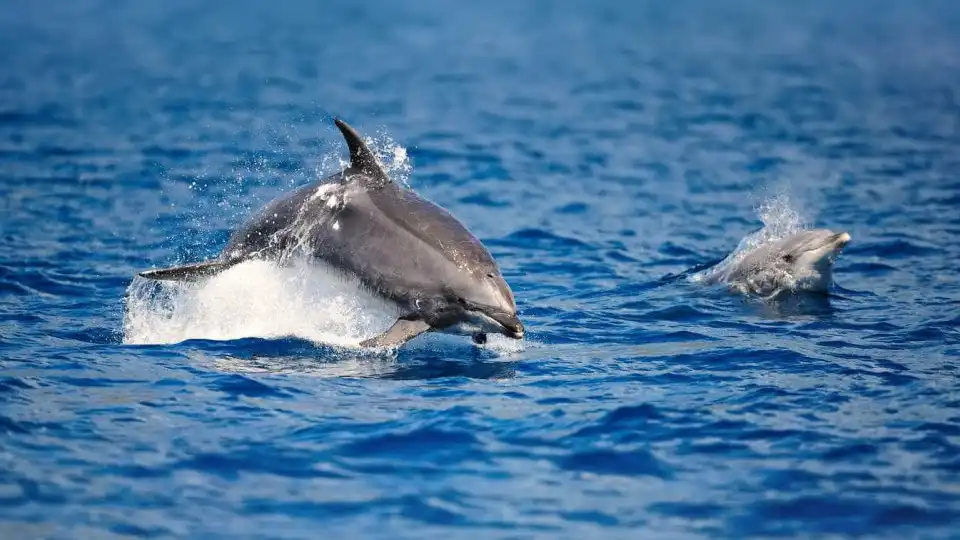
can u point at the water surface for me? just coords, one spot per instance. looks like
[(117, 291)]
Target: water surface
[(601, 150)]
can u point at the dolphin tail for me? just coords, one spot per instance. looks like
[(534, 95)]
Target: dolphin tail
[(401, 332), (189, 272)]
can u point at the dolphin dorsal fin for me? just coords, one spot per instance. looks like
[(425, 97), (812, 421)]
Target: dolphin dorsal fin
[(362, 160)]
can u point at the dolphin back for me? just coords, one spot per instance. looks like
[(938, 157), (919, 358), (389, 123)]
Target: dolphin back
[(405, 247)]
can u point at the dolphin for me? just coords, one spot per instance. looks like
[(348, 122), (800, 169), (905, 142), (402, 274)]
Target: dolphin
[(401, 247), (801, 262)]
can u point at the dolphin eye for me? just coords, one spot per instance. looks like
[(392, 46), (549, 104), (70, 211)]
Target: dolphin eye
[(490, 275), (789, 258)]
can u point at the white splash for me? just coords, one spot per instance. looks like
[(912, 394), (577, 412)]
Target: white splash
[(504, 346), (393, 157), (324, 191), (780, 220), (256, 299)]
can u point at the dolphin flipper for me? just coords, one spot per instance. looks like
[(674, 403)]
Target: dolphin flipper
[(401, 332), (189, 272)]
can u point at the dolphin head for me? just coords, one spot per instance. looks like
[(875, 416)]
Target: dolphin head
[(809, 256), (487, 305), (478, 302), (799, 262)]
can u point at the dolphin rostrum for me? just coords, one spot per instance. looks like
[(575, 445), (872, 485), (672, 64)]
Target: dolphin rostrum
[(401, 247), (801, 262)]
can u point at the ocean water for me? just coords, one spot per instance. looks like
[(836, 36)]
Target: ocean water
[(603, 151)]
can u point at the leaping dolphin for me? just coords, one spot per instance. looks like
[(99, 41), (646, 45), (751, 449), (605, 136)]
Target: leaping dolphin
[(403, 248), (801, 262)]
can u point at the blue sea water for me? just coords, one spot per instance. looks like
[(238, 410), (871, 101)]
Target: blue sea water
[(600, 149)]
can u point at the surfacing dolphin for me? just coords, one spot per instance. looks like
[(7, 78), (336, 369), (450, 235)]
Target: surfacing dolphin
[(401, 247), (801, 262)]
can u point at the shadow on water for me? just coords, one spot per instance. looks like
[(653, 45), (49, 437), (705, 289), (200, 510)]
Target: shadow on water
[(431, 359), (421, 368), (791, 305)]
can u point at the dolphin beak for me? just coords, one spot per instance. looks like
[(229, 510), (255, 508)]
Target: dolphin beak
[(512, 327)]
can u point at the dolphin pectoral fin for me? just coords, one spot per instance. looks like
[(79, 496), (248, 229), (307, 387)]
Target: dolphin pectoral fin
[(188, 272), (401, 332)]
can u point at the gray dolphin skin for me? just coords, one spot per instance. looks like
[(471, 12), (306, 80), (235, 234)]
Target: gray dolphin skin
[(401, 247), (799, 262)]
